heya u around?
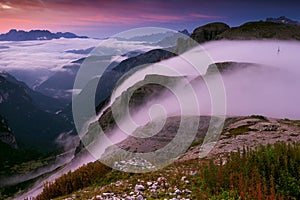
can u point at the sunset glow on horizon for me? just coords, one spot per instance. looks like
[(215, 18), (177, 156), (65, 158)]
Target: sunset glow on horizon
[(103, 17)]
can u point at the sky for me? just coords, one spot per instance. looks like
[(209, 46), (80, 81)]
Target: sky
[(102, 18)]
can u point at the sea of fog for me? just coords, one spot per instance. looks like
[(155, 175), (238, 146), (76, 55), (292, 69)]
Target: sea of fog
[(35, 61)]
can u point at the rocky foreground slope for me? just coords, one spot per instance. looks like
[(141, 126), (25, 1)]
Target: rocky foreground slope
[(184, 179)]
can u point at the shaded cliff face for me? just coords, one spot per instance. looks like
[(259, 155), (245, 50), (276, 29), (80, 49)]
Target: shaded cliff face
[(200, 35), (6, 135), (209, 32)]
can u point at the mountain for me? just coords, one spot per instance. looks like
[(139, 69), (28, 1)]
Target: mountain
[(15, 35), (273, 28), (146, 91), (283, 20), (170, 41), (185, 32), (209, 32), (81, 51), (27, 113), (200, 35), (262, 30), (45, 103), (110, 77), (155, 37), (60, 84)]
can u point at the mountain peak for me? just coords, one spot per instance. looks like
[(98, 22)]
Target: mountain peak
[(12, 31), (283, 20)]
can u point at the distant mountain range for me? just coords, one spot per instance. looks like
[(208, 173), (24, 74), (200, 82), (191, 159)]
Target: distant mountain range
[(15, 35)]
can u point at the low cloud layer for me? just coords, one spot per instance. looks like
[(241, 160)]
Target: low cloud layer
[(268, 88), (34, 61)]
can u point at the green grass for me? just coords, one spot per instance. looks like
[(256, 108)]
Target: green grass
[(241, 130)]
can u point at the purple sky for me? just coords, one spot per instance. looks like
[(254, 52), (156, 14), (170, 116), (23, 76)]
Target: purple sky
[(101, 18)]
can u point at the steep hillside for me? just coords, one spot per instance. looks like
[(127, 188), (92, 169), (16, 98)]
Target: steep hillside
[(27, 114), (45, 103), (6, 135), (110, 77)]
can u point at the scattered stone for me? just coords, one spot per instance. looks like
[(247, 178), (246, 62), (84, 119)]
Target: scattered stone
[(140, 197), (139, 188), (188, 191), (153, 190), (133, 164), (149, 183), (107, 194), (177, 191), (118, 183), (183, 178), (161, 179), (154, 186), (193, 173)]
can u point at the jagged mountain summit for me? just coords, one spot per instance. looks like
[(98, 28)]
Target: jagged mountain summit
[(283, 20), (20, 35)]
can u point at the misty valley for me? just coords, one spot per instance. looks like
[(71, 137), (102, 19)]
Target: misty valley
[(152, 113)]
